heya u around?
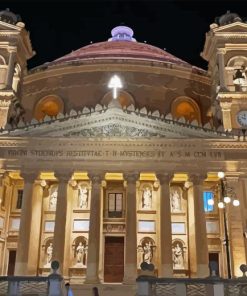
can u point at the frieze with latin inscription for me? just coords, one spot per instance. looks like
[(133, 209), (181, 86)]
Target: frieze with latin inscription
[(109, 153)]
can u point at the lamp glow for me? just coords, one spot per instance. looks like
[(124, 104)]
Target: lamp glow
[(227, 199), (115, 83), (221, 205), (236, 202), (210, 202), (221, 175)]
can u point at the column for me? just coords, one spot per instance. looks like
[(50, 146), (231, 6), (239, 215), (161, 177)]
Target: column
[(236, 218), (2, 243), (166, 264), (226, 114), (34, 245), (191, 230), (11, 68), (130, 266), (61, 218), (201, 241), (25, 224), (221, 60), (92, 275)]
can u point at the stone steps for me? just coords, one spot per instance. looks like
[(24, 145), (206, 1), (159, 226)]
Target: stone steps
[(104, 289)]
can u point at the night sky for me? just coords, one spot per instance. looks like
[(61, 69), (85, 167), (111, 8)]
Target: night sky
[(58, 27)]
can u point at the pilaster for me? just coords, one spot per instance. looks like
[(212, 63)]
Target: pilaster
[(11, 67), (221, 61)]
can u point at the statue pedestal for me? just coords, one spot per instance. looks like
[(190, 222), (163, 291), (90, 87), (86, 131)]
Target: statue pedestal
[(45, 270), (78, 272)]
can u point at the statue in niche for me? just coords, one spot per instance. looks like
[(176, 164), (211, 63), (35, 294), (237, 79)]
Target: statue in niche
[(80, 254), (147, 252), (178, 256), (175, 201), (80, 251), (49, 252), (147, 247), (147, 198), (83, 198), (53, 199)]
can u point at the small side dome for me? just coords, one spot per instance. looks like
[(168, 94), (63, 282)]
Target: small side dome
[(9, 17), (122, 33), (228, 18)]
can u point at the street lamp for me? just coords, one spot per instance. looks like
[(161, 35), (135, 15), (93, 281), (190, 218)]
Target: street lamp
[(226, 196)]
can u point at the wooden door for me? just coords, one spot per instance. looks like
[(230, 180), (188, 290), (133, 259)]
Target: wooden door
[(114, 259), (11, 265)]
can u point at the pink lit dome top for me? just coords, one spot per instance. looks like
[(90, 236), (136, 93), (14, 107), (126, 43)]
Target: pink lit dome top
[(121, 45)]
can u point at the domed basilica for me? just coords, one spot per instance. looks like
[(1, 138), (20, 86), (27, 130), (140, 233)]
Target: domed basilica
[(119, 154)]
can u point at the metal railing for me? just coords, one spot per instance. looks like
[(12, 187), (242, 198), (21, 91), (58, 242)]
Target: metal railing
[(151, 286)]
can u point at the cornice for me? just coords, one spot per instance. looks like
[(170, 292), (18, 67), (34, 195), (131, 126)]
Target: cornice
[(117, 65), (191, 143), (228, 96), (109, 122)]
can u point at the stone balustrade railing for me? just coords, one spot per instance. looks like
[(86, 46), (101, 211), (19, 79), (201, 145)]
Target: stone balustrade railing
[(213, 286), (32, 285)]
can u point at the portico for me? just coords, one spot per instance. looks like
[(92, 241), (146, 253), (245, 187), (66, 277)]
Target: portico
[(158, 165)]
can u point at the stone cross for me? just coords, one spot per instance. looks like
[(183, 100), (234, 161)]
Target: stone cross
[(115, 83)]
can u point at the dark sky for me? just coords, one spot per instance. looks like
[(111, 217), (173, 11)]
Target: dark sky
[(58, 27)]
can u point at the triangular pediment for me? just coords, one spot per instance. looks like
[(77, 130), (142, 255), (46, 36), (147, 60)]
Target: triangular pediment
[(236, 27), (6, 26), (111, 123)]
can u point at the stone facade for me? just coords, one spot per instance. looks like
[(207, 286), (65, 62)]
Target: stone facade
[(105, 185)]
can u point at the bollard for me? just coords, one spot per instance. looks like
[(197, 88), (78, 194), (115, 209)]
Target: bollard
[(180, 289), (55, 281), (13, 288), (216, 289), (144, 288)]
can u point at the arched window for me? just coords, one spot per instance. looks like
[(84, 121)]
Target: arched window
[(50, 105), (3, 72), (124, 98), (187, 108), (16, 77), (236, 74)]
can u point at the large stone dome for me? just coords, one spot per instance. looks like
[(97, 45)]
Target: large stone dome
[(121, 45)]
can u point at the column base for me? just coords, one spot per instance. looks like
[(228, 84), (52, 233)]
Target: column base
[(130, 274), (166, 270), (92, 280), (129, 281), (21, 268), (92, 276), (202, 270)]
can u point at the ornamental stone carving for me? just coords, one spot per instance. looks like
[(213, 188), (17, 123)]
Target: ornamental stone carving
[(113, 130)]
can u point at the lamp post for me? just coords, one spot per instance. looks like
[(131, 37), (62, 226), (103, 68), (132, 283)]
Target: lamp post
[(226, 195)]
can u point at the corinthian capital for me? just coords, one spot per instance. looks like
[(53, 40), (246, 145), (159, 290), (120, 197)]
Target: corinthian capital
[(29, 175), (197, 179), (164, 178), (96, 177), (63, 176), (131, 177)]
